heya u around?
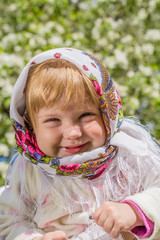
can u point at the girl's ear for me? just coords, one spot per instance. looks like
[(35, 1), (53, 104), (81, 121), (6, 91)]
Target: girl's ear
[(27, 122)]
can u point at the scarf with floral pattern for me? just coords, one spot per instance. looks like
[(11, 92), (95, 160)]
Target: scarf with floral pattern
[(88, 165)]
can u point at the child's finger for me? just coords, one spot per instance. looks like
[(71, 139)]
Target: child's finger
[(115, 231), (108, 226), (57, 235), (103, 217), (60, 235), (97, 214)]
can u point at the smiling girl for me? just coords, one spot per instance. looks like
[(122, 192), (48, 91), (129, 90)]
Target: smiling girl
[(68, 109), (82, 171)]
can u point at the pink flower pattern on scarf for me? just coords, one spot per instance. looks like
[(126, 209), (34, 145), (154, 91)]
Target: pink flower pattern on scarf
[(97, 88)]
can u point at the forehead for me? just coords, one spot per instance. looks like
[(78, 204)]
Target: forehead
[(73, 107)]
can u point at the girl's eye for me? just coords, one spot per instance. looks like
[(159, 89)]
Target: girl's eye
[(87, 116), (54, 120)]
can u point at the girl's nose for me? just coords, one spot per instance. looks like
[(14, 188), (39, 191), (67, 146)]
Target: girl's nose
[(73, 132)]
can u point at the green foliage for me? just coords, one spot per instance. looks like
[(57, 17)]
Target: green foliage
[(2, 181), (3, 170), (124, 35)]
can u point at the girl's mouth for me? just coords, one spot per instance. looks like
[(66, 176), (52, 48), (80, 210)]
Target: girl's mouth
[(74, 148)]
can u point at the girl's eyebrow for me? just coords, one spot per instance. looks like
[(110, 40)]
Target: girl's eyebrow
[(56, 113), (50, 115), (47, 115)]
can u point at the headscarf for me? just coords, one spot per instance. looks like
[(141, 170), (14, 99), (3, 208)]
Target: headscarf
[(88, 165)]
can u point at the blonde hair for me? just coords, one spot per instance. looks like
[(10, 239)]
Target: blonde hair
[(57, 81)]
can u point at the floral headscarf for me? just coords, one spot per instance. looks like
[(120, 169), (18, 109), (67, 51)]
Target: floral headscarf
[(87, 165)]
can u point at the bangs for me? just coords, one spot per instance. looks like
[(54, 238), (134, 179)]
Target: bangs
[(62, 87), (59, 82)]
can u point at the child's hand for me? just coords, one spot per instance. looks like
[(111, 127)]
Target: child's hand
[(117, 217), (57, 235)]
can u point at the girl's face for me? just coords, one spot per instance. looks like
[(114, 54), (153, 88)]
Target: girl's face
[(62, 133)]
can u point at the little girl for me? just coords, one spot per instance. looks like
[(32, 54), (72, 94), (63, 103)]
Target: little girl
[(82, 171)]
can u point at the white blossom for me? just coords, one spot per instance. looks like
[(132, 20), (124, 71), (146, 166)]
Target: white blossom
[(74, 1), (37, 41), (32, 26), (12, 7), (95, 30), (148, 48), (32, 42), (45, 28), (115, 24), (147, 71), (130, 74), (10, 60), (4, 150), (152, 4), (6, 27), (121, 89), (127, 39), (78, 35), (7, 89), (41, 41), (121, 58), (109, 62), (10, 136), (135, 21), (134, 102), (12, 39), (18, 48), (102, 42), (55, 40), (138, 50), (51, 1), (142, 14), (153, 35), (84, 6), (60, 29), (112, 35), (68, 43), (156, 90)]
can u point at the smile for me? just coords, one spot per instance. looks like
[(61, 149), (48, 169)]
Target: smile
[(74, 149)]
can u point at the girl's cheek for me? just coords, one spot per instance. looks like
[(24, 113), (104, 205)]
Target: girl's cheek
[(95, 129)]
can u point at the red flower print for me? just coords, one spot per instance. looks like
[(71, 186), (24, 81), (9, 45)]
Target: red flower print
[(32, 143), (85, 67), (57, 55), (99, 172), (20, 137), (97, 88), (31, 147), (93, 65), (69, 167)]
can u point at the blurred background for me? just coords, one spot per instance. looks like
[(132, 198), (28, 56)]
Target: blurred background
[(123, 34)]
